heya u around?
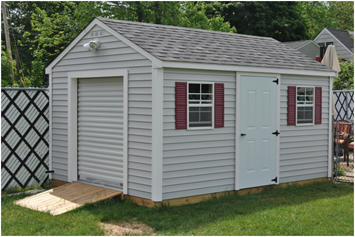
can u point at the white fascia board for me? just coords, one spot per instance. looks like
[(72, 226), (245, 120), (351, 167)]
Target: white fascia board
[(320, 34), (325, 30), (219, 67), (310, 42), (154, 60), (70, 46)]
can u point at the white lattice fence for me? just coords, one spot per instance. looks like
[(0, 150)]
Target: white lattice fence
[(24, 137), (344, 104)]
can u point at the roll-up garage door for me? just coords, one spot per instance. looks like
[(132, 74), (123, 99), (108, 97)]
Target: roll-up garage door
[(100, 131)]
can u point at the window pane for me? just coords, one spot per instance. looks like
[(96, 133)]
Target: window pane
[(309, 91), (194, 88), (194, 116), (301, 99), (200, 117), (206, 97), (194, 96), (309, 99), (304, 115), (206, 88), (301, 90)]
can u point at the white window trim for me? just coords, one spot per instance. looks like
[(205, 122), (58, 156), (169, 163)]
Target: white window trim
[(199, 105), (306, 105)]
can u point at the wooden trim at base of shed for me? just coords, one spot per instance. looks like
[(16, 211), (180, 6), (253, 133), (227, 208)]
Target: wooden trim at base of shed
[(57, 183), (200, 198)]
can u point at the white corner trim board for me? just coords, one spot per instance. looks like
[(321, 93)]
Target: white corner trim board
[(157, 135), (73, 116), (330, 145), (50, 126)]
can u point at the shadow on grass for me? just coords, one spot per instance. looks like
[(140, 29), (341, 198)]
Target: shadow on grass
[(182, 219)]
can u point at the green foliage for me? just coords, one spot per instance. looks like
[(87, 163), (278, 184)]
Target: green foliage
[(6, 78), (333, 14), (341, 171), (345, 79), (280, 20)]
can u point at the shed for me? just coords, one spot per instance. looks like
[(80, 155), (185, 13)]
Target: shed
[(308, 47), (163, 112)]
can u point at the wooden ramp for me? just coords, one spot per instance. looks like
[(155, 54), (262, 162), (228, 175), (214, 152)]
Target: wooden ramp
[(66, 198)]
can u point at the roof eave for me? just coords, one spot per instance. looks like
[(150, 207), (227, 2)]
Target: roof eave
[(220, 67)]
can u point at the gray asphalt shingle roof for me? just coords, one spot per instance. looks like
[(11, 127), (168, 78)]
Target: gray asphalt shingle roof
[(179, 44)]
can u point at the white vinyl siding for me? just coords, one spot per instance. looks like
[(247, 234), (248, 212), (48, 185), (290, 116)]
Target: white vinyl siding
[(304, 149), (113, 54), (198, 161), (341, 50)]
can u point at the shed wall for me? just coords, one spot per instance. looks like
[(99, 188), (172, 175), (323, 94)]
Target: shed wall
[(310, 50), (304, 149), (198, 161), (113, 54), (341, 50)]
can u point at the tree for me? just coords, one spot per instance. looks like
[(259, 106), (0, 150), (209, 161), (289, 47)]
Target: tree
[(334, 14), (6, 78), (279, 20)]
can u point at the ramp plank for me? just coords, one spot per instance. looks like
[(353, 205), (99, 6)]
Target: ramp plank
[(66, 198)]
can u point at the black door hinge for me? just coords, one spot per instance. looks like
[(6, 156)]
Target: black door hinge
[(276, 133), (276, 81), (49, 171), (275, 180)]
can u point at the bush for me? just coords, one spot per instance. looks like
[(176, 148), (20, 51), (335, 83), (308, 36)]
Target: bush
[(345, 78)]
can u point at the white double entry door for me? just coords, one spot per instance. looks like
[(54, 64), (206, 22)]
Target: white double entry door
[(258, 131)]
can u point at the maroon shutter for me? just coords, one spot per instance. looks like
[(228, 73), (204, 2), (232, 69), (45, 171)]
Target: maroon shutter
[(218, 105), (180, 105), (291, 105), (318, 105)]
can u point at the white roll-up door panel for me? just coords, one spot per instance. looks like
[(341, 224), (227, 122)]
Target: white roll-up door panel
[(100, 131)]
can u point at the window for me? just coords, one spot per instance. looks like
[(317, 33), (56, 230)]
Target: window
[(325, 44), (305, 105), (200, 105)]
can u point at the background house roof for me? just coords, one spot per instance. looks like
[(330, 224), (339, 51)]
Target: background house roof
[(344, 37), (296, 44), (179, 44)]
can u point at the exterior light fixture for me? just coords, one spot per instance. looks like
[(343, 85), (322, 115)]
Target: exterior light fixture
[(92, 45)]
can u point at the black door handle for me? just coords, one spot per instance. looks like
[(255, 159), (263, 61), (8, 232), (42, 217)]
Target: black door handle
[(243, 134)]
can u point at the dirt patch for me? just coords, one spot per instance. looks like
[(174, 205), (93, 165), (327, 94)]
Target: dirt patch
[(126, 228)]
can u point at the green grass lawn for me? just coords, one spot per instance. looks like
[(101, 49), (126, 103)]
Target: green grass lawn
[(314, 209)]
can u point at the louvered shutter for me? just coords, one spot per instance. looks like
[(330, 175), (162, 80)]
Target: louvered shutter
[(291, 105), (180, 105), (318, 105), (218, 105)]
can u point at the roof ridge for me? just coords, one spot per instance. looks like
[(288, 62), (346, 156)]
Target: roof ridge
[(185, 28)]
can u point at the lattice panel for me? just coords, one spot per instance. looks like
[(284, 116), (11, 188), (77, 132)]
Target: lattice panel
[(24, 137), (344, 105)]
